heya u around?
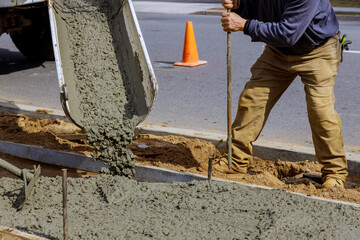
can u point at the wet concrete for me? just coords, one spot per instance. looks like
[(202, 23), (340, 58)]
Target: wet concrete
[(102, 95), (107, 207)]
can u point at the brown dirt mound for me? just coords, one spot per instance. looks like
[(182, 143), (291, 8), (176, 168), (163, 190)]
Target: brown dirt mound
[(177, 153), (51, 134), (185, 154)]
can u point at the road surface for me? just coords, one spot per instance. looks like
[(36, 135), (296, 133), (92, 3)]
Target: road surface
[(195, 98)]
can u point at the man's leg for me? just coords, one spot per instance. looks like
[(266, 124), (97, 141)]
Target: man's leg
[(318, 72), (270, 78)]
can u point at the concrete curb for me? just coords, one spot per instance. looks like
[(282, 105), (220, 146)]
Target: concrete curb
[(349, 18), (16, 108), (264, 149)]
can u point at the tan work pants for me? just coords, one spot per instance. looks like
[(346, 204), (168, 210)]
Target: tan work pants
[(272, 74)]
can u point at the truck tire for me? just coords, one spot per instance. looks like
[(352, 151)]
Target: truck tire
[(35, 41)]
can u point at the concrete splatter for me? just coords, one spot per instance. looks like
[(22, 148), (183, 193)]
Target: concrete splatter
[(104, 92)]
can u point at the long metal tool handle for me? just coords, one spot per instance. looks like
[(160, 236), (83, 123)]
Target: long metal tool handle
[(229, 97), (65, 215), (14, 170)]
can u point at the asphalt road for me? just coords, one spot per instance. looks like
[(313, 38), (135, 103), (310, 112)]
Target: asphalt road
[(195, 98)]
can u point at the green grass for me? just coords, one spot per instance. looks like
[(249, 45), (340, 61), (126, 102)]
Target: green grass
[(345, 3)]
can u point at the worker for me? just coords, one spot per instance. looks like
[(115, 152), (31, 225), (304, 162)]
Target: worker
[(302, 39)]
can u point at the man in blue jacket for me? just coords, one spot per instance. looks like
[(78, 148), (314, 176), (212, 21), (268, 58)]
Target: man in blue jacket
[(301, 39)]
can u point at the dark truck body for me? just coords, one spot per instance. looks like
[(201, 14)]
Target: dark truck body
[(27, 23)]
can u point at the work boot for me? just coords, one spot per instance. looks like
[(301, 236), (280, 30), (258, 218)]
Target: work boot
[(333, 182), (221, 165)]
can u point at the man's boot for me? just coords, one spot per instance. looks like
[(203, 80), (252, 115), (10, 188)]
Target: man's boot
[(333, 182)]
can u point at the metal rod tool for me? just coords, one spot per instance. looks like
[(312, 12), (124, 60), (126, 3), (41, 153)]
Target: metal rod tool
[(210, 167), (65, 217), (229, 97)]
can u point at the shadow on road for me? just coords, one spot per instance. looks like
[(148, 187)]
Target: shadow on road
[(14, 61)]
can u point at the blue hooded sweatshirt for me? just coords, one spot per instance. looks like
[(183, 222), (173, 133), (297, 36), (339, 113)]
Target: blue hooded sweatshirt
[(293, 26)]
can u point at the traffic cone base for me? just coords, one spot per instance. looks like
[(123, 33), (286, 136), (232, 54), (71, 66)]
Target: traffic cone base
[(190, 64)]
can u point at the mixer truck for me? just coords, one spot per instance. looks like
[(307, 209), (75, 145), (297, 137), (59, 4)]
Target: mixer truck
[(27, 23)]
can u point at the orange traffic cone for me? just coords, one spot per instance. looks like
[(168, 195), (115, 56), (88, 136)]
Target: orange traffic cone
[(190, 54)]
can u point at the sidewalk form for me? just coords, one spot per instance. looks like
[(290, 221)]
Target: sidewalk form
[(270, 150), (343, 13)]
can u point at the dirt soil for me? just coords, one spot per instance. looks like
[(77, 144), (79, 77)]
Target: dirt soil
[(51, 134), (172, 152)]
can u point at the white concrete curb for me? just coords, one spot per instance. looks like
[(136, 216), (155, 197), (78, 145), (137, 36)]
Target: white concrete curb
[(173, 7)]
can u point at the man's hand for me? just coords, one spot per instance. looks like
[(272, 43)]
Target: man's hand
[(230, 4), (231, 22)]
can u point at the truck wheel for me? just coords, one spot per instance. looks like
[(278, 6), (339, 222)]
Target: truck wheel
[(34, 41)]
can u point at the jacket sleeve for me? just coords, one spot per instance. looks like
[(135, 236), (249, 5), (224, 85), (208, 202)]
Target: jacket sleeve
[(296, 17)]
